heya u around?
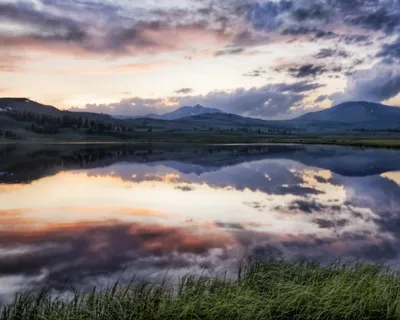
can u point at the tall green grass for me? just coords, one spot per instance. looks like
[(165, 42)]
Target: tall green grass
[(273, 289)]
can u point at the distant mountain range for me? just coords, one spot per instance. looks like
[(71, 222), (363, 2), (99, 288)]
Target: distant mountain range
[(177, 114), (340, 118)]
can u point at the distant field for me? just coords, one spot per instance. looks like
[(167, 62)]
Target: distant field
[(273, 289), (218, 136)]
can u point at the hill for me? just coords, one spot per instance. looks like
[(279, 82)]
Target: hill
[(356, 112), (24, 104)]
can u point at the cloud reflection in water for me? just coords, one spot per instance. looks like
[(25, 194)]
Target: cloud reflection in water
[(88, 226)]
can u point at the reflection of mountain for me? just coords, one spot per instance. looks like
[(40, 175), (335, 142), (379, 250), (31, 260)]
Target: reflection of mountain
[(22, 164), (127, 210)]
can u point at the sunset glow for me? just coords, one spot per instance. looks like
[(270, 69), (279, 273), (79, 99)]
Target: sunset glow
[(135, 58)]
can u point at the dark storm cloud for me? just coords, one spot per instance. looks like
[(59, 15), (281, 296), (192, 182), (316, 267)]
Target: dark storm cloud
[(328, 53), (184, 91), (307, 70)]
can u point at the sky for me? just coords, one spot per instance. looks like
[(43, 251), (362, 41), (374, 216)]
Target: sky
[(272, 59)]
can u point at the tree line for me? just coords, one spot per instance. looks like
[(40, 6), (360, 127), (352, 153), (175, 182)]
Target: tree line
[(49, 124)]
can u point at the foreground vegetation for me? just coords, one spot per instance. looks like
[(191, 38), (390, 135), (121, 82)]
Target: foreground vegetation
[(273, 289)]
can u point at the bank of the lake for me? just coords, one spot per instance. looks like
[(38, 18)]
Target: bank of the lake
[(273, 289), (352, 142)]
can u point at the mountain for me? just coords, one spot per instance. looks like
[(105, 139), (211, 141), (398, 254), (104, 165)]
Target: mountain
[(177, 114), (24, 104), (27, 105), (189, 112), (22, 117), (356, 112)]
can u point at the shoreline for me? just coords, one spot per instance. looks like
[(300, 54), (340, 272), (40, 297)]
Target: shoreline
[(361, 143)]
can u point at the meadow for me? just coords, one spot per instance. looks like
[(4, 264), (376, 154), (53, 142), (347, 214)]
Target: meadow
[(270, 289)]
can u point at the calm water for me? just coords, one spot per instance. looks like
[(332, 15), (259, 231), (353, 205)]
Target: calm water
[(83, 216)]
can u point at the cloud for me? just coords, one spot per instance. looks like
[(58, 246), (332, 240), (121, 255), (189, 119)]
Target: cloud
[(265, 102), (377, 84), (298, 31), (228, 51), (129, 107), (321, 98), (256, 73), (298, 87), (116, 69), (311, 71), (13, 63), (328, 53), (185, 188), (307, 70), (55, 25), (385, 18), (266, 16), (359, 39), (390, 52), (307, 207), (200, 29), (101, 249), (184, 91), (372, 15), (93, 28)]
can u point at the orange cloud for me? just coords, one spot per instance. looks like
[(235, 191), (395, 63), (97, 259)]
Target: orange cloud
[(118, 69), (13, 63)]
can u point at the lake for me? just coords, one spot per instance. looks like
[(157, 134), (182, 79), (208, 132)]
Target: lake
[(85, 216)]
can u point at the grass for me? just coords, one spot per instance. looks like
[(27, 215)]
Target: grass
[(380, 140), (272, 289)]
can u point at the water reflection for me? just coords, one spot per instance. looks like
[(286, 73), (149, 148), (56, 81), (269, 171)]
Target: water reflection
[(83, 216)]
